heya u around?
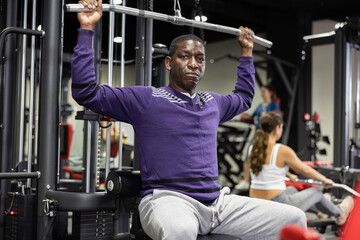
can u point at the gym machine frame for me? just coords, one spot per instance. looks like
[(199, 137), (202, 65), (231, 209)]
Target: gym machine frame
[(5, 121), (344, 40)]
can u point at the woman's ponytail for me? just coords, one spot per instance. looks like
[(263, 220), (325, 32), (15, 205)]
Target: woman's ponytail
[(258, 152)]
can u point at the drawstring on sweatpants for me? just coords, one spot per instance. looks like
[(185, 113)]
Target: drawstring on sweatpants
[(218, 208)]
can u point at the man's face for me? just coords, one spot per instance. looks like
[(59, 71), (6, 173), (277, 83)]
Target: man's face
[(187, 66)]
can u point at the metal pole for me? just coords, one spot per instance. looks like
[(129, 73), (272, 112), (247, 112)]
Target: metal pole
[(60, 70), (347, 107), (87, 156), (139, 64), (357, 103), (286, 134), (22, 88), (49, 109), (148, 46), (140, 48), (167, 18), (95, 144), (31, 100), (284, 77), (7, 72), (19, 175), (122, 82), (339, 97), (110, 82)]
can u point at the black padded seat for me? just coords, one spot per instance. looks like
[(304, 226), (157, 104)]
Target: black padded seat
[(81, 202)]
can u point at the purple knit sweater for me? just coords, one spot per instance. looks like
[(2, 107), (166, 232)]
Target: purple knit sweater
[(177, 135)]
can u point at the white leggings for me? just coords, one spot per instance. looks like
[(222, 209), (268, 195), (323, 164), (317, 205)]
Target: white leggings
[(172, 215), (306, 199)]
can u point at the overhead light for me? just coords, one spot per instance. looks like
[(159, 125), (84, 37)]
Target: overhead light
[(117, 39), (201, 18), (117, 1)]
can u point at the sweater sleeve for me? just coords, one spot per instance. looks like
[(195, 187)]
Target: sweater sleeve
[(241, 100), (124, 104)]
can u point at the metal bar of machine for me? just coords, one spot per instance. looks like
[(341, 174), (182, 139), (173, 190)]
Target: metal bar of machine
[(122, 83), (167, 18), (335, 185), (19, 175), (31, 92), (110, 83)]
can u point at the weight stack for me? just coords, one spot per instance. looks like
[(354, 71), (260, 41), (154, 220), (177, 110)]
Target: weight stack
[(93, 225), (20, 216)]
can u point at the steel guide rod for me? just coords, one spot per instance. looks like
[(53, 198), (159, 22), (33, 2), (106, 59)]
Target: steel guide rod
[(122, 83), (110, 83), (31, 100), (167, 18), (22, 88)]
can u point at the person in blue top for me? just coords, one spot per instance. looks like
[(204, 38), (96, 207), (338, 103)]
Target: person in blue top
[(269, 104)]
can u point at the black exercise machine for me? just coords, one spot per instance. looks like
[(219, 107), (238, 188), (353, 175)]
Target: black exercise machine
[(231, 146), (312, 127)]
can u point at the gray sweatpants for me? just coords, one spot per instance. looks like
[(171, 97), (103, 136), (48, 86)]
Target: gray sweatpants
[(171, 215), (306, 199)]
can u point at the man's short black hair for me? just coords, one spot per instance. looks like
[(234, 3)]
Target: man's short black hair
[(180, 39)]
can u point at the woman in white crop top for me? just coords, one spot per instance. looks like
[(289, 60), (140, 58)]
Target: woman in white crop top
[(270, 162)]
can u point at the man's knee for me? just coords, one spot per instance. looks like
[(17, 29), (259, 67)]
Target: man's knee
[(172, 231), (296, 216), (180, 230), (175, 227)]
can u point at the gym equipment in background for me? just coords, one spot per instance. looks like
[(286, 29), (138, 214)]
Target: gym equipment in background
[(231, 145), (345, 38), (312, 127)]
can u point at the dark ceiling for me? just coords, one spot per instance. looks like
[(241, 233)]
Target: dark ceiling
[(260, 15)]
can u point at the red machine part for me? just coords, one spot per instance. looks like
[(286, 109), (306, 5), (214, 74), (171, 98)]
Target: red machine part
[(69, 134), (351, 227), (294, 232), (316, 117), (300, 186), (74, 175)]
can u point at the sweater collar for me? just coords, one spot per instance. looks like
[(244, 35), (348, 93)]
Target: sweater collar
[(181, 95)]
